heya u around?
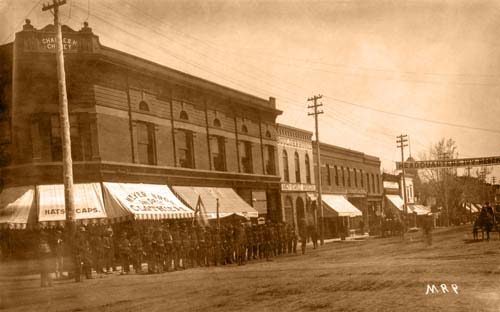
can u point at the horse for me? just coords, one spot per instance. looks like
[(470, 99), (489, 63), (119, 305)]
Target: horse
[(483, 222)]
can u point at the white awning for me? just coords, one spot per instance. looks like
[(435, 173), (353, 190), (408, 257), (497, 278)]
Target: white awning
[(340, 205), (230, 202), (312, 196), (419, 209), (17, 207), (472, 207), (396, 200), (88, 202), (143, 201)]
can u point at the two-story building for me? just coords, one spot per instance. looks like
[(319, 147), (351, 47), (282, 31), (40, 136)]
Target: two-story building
[(298, 191), (132, 121), (351, 188)]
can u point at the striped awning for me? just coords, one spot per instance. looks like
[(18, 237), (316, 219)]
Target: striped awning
[(17, 207), (89, 206), (230, 203), (143, 202)]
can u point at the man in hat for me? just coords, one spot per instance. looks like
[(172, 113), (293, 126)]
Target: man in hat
[(59, 251), (137, 252), (45, 260), (168, 241), (82, 255), (108, 250), (125, 250)]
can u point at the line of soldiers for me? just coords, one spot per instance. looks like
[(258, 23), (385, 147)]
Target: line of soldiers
[(173, 246)]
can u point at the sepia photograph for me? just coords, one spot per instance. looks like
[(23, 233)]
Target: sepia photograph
[(250, 155)]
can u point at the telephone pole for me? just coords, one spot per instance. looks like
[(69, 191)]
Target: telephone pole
[(69, 200), (402, 139), (315, 113)]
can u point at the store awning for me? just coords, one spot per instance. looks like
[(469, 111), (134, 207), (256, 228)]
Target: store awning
[(396, 201), (419, 209), (340, 205), (17, 207), (230, 202), (471, 207), (143, 202), (89, 206)]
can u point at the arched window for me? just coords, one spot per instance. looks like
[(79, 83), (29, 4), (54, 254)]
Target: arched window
[(268, 134), (336, 175), (217, 123), (308, 170), (244, 129), (183, 115), (286, 172), (297, 168), (143, 106), (328, 175)]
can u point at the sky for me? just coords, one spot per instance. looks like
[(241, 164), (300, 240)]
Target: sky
[(428, 69)]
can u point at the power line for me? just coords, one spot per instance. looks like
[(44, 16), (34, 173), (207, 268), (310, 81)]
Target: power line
[(413, 117), (21, 22)]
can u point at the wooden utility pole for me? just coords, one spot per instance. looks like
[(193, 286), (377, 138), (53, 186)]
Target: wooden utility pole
[(402, 139), (444, 176), (315, 113), (64, 121)]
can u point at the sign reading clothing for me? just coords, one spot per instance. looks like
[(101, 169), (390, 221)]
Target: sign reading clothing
[(88, 202), (143, 201)]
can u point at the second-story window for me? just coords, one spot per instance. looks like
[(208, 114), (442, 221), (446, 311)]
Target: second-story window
[(328, 175), (269, 159), (361, 178), (146, 143), (185, 148), (246, 157), (286, 172), (80, 139), (378, 183), (297, 168), (343, 176), (308, 169), (218, 150), (355, 177), (368, 182), (336, 175), (373, 183), (348, 177)]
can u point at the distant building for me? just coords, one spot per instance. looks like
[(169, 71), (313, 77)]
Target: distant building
[(352, 188), (298, 191)]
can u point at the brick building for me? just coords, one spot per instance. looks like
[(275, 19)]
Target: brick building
[(131, 121), (298, 191), (349, 178)]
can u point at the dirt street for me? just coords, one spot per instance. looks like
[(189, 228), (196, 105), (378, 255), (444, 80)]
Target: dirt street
[(371, 275)]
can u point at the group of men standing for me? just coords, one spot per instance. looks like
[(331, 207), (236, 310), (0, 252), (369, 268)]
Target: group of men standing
[(169, 246)]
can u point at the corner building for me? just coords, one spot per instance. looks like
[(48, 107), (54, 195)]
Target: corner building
[(132, 120)]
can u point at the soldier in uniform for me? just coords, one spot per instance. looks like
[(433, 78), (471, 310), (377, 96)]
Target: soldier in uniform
[(158, 250), (45, 260), (176, 245), (59, 252), (108, 250), (81, 255), (303, 236), (124, 249), (216, 246), (183, 245), (137, 252), (97, 247), (169, 248), (147, 246), (201, 246)]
